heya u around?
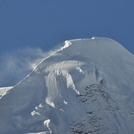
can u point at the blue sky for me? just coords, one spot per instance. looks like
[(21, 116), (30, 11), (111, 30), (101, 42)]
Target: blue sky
[(43, 24)]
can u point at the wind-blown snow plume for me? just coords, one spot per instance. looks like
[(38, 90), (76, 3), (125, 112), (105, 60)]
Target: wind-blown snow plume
[(17, 64)]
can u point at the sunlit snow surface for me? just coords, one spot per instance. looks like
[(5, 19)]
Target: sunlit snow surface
[(85, 87), (4, 90)]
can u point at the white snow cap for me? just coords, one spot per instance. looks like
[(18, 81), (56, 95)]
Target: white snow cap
[(86, 86)]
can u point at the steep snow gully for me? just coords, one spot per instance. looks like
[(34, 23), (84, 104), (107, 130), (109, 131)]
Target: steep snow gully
[(85, 87)]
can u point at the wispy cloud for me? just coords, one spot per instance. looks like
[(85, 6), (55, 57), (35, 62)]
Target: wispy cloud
[(16, 65)]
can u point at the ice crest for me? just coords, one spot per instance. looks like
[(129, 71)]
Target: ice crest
[(67, 44)]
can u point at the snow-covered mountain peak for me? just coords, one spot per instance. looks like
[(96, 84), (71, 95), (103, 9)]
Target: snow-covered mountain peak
[(96, 45), (85, 87)]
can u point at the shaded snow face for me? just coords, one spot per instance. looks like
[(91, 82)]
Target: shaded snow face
[(84, 87)]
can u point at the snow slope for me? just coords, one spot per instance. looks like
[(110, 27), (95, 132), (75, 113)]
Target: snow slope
[(85, 87)]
